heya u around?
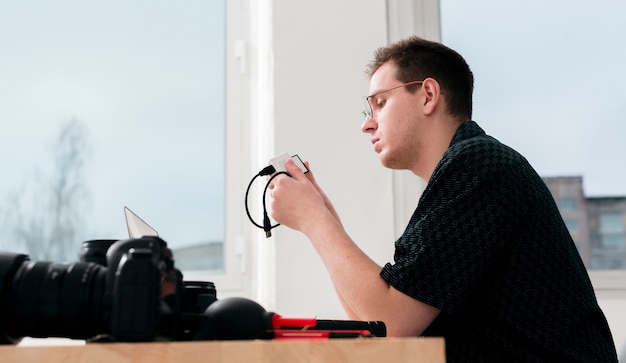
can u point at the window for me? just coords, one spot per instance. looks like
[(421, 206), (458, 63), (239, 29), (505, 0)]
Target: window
[(534, 50), (572, 226), (613, 241), (609, 249), (113, 104), (612, 223), (567, 203)]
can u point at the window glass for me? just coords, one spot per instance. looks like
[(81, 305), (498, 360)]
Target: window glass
[(572, 226), (611, 223), (549, 82), (610, 250), (111, 104), (567, 203), (613, 240)]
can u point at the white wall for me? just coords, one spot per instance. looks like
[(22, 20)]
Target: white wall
[(321, 49), (320, 53)]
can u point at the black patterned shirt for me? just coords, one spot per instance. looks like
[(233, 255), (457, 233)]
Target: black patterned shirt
[(488, 247)]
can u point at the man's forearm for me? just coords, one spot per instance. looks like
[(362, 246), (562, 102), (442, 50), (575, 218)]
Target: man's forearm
[(356, 277)]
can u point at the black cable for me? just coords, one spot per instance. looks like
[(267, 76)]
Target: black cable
[(267, 225)]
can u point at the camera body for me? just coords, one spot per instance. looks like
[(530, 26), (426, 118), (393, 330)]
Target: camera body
[(127, 290)]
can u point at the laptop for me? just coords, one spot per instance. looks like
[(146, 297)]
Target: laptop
[(136, 226)]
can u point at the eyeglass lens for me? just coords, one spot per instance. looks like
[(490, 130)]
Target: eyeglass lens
[(367, 111)]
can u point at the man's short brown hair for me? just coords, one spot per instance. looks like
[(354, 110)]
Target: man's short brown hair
[(418, 59)]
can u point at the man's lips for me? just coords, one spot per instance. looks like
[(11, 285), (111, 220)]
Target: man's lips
[(375, 141)]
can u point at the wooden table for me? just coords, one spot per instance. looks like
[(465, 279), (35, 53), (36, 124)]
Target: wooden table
[(362, 350)]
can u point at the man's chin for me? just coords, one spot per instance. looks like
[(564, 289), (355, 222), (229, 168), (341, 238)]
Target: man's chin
[(386, 162), (391, 163)]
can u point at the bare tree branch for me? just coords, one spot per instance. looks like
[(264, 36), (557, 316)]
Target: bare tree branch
[(45, 214)]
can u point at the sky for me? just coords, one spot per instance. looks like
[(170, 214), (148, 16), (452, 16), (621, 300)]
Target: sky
[(549, 82), (146, 79)]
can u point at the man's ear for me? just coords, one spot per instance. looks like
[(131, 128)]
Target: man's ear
[(432, 89)]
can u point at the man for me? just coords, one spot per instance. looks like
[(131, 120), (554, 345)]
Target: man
[(486, 260)]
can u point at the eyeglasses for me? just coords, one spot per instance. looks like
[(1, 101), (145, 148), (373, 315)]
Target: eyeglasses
[(368, 112)]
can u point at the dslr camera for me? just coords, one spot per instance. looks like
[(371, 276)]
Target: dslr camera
[(120, 291)]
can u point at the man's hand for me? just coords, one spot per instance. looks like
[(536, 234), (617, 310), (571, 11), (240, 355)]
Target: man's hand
[(296, 201)]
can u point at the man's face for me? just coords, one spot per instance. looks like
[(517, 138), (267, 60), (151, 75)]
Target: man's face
[(396, 126)]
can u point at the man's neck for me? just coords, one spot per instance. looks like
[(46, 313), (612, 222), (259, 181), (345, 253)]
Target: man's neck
[(438, 143)]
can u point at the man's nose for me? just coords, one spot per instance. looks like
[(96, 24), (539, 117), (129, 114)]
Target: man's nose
[(369, 125)]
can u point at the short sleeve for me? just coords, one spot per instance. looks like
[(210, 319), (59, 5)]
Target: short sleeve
[(462, 224)]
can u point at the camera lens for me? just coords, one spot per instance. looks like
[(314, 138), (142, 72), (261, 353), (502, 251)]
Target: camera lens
[(121, 290), (198, 295), (95, 251), (44, 299)]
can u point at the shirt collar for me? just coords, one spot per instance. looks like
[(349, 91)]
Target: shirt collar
[(466, 130)]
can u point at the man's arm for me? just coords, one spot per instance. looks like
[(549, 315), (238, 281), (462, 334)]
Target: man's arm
[(356, 277)]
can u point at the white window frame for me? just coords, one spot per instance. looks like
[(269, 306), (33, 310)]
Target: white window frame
[(249, 145)]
